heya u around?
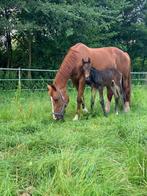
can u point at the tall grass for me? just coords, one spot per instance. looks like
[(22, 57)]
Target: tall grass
[(93, 156)]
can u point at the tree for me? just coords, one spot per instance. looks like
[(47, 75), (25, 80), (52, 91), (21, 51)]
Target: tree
[(8, 13), (39, 32)]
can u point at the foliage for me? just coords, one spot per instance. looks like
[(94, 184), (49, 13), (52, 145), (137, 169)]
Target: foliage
[(38, 33)]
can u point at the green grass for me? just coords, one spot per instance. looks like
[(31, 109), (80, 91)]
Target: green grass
[(94, 156)]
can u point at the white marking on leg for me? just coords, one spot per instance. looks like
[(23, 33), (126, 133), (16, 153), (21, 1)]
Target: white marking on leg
[(116, 113), (76, 117), (126, 107), (53, 109), (85, 110), (107, 108)]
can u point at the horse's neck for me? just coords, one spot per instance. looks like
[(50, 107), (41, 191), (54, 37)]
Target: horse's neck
[(66, 70), (61, 79)]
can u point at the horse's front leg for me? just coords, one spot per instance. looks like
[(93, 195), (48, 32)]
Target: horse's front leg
[(116, 105), (109, 98), (83, 105), (93, 95), (102, 101), (80, 100)]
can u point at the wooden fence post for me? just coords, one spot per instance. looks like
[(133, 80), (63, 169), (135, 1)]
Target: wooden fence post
[(19, 78)]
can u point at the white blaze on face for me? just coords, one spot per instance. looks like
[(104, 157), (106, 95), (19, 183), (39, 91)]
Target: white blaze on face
[(53, 108)]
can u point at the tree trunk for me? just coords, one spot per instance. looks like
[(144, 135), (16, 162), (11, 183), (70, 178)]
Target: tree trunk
[(30, 56), (9, 49), (8, 42)]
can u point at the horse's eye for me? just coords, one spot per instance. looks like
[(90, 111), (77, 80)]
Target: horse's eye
[(56, 99)]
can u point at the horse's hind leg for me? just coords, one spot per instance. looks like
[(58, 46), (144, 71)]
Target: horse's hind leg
[(93, 95), (102, 101), (127, 91), (109, 98)]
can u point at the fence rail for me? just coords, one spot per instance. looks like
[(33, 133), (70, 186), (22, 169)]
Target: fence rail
[(24, 69), (12, 78)]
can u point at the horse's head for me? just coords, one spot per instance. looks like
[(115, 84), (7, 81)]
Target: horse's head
[(86, 66), (59, 102)]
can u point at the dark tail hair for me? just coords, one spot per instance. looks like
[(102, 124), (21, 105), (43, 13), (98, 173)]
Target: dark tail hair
[(129, 83), (122, 89), (126, 97)]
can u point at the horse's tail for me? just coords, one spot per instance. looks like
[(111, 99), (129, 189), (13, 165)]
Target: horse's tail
[(129, 87), (122, 89), (126, 80)]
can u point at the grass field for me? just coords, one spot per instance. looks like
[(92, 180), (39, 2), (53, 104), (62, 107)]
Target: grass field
[(94, 156)]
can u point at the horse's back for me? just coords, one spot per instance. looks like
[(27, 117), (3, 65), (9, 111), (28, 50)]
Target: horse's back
[(110, 57), (105, 57), (101, 58)]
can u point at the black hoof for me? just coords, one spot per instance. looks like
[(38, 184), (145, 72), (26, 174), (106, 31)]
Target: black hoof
[(106, 114)]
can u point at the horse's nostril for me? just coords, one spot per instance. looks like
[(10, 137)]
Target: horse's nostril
[(59, 117), (87, 80)]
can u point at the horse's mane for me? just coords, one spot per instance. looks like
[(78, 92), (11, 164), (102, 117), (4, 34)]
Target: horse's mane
[(67, 66)]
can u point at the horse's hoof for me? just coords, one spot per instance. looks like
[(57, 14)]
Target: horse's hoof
[(85, 110), (76, 117), (106, 115), (126, 110), (107, 110), (93, 114), (126, 107)]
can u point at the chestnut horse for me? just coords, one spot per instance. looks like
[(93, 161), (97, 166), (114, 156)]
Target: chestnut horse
[(71, 68)]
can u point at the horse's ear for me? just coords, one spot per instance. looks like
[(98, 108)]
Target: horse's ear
[(89, 60), (113, 83), (53, 87), (49, 87), (83, 61)]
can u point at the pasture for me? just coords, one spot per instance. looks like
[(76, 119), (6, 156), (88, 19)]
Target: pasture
[(94, 156)]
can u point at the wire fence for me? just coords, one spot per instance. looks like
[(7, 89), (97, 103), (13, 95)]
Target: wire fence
[(37, 79)]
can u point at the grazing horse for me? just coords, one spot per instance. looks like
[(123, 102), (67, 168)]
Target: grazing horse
[(98, 79), (101, 58)]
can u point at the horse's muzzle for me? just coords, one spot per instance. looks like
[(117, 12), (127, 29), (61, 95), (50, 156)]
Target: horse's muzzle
[(87, 80), (59, 117)]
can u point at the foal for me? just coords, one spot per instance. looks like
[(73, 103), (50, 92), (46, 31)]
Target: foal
[(98, 79)]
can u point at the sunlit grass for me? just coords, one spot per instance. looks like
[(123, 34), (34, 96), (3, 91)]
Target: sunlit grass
[(93, 156)]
